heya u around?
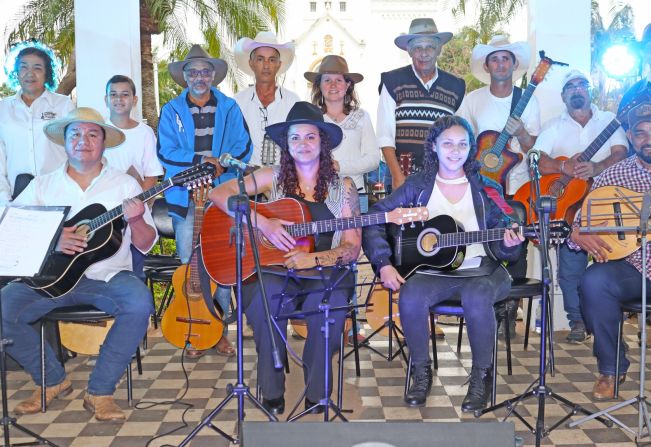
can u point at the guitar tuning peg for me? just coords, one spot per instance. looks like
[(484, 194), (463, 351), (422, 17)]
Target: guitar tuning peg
[(411, 205), (413, 225), (402, 227)]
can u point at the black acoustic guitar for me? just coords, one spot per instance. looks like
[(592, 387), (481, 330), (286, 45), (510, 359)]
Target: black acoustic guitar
[(103, 230), (440, 242)]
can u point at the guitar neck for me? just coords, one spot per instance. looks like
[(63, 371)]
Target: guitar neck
[(341, 224), (601, 139), (116, 212), (472, 237), (500, 144)]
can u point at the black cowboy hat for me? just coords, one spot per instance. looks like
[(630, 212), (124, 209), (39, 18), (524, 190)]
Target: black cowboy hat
[(304, 113)]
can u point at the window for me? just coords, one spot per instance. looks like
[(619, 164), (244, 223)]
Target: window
[(312, 6), (342, 6)]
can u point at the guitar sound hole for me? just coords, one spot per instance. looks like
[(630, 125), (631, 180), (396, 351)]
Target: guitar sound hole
[(427, 242), (84, 230), (556, 189), (491, 161)]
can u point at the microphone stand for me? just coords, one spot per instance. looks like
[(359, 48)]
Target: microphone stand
[(239, 204)]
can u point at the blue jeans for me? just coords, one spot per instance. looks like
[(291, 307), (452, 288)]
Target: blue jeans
[(604, 288), (183, 229), (125, 297), (571, 266)]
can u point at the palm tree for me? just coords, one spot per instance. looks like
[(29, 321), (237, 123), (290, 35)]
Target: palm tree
[(221, 22)]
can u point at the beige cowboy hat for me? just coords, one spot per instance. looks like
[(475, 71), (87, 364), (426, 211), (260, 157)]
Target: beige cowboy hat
[(245, 46), (332, 64), (55, 129), (421, 28), (197, 53), (521, 51)]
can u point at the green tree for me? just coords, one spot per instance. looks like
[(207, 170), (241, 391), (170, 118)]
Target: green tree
[(5, 91), (221, 23)]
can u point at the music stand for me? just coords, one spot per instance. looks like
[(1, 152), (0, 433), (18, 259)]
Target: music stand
[(642, 229)]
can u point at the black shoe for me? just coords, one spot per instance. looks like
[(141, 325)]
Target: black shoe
[(316, 410), (274, 406), (421, 384), (479, 389)]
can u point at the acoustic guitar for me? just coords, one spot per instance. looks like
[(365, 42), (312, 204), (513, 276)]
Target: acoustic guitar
[(441, 244), (187, 319), (218, 234), (614, 206), (496, 162), (103, 230)]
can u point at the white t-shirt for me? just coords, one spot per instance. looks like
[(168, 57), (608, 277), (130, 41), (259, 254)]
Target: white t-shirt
[(138, 150), (109, 188), (358, 152), (485, 111), (564, 137)]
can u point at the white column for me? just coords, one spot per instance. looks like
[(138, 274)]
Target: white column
[(107, 42)]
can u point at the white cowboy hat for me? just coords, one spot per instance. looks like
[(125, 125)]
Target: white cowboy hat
[(421, 28), (55, 129), (521, 51), (197, 53), (245, 46)]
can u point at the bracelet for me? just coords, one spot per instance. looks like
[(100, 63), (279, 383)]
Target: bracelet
[(562, 166)]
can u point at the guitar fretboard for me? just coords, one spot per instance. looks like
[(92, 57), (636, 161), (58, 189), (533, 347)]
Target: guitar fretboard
[(500, 144), (344, 223), (471, 237)]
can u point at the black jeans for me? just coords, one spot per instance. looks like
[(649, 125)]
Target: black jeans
[(603, 290), (477, 295)]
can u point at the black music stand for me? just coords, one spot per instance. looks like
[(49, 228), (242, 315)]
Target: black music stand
[(643, 228)]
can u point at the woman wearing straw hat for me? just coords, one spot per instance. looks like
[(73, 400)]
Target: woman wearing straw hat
[(333, 91), (307, 174)]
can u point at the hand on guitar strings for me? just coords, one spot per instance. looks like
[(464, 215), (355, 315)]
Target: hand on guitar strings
[(592, 243), (276, 233), (511, 238), (133, 209), (73, 240), (584, 170), (390, 277), (514, 126)]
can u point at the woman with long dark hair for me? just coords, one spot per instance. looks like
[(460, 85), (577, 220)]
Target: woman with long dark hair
[(450, 184), (307, 174)]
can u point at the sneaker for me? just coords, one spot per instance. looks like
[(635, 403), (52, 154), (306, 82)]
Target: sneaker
[(421, 384), (577, 333)]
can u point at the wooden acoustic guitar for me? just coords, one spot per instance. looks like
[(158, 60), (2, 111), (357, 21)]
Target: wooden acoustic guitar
[(188, 319), (103, 230), (218, 234), (614, 206), (496, 162)]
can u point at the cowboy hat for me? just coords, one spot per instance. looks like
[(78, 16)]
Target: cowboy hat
[(245, 46), (197, 53), (55, 130), (521, 51), (421, 28), (304, 113), (332, 64)]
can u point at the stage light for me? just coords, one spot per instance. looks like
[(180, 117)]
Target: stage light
[(621, 60)]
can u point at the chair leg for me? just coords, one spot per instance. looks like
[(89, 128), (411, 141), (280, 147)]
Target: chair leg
[(507, 334), (460, 335), (494, 379), (620, 331), (43, 402), (528, 323), (139, 361), (129, 386), (432, 324), (408, 377), (358, 371), (340, 378)]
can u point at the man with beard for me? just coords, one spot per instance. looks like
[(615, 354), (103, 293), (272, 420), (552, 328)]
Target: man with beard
[(567, 136), (601, 293)]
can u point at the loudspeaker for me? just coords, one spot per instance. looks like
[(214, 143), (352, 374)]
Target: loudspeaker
[(377, 434)]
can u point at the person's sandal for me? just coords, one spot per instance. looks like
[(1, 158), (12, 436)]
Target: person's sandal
[(225, 348)]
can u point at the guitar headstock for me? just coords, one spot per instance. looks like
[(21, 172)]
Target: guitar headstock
[(200, 194), (401, 216), (559, 231), (195, 176), (543, 67), (406, 161)]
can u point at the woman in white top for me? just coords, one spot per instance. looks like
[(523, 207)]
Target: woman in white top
[(333, 90)]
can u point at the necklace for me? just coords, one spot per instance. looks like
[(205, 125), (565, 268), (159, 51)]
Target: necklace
[(452, 181)]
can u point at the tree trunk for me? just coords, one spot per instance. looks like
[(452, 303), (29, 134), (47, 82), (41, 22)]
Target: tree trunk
[(69, 80), (148, 96)]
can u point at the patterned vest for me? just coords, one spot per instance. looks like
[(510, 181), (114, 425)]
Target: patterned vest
[(417, 108)]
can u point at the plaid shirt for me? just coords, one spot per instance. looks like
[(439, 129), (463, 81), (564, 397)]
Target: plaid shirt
[(628, 173)]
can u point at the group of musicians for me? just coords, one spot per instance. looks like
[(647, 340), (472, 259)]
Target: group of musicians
[(317, 153)]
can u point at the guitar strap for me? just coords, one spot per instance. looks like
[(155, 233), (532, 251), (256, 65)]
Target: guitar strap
[(496, 197), (517, 93)]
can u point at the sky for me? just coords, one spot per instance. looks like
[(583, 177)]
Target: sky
[(641, 8)]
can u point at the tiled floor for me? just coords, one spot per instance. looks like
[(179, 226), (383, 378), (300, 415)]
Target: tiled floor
[(375, 396)]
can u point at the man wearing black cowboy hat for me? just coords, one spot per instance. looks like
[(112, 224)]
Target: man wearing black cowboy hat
[(413, 97), (198, 126)]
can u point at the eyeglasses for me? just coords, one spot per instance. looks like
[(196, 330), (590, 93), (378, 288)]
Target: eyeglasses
[(194, 74), (580, 86)]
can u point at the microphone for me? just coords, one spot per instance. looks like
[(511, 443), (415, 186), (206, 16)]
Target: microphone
[(533, 156), (228, 161)]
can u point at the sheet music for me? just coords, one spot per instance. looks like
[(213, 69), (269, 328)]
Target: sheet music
[(26, 238)]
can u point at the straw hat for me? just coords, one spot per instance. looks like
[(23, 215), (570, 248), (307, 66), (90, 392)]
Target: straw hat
[(332, 64), (197, 53), (421, 28), (521, 51), (304, 113), (55, 129), (245, 46)]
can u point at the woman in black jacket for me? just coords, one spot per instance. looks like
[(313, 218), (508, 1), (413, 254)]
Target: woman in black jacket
[(450, 184)]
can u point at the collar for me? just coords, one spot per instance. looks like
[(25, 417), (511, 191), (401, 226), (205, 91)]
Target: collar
[(565, 115), (429, 83), (47, 96), (211, 102)]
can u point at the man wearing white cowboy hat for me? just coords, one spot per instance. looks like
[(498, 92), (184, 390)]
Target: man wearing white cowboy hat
[(110, 285), (568, 135), (264, 103), (414, 96), (198, 126), (498, 63)]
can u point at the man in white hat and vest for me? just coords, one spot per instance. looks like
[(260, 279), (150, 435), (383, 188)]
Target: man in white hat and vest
[(265, 102), (412, 98), (567, 136), (109, 285)]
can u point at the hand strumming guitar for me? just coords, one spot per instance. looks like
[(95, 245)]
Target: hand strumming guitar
[(276, 233), (72, 240)]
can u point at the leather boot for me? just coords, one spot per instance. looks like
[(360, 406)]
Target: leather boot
[(104, 407), (421, 384), (32, 404), (479, 389)]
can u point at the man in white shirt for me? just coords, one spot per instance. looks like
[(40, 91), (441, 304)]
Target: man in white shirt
[(568, 135), (264, 103), (24, 149), (109, 285)]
